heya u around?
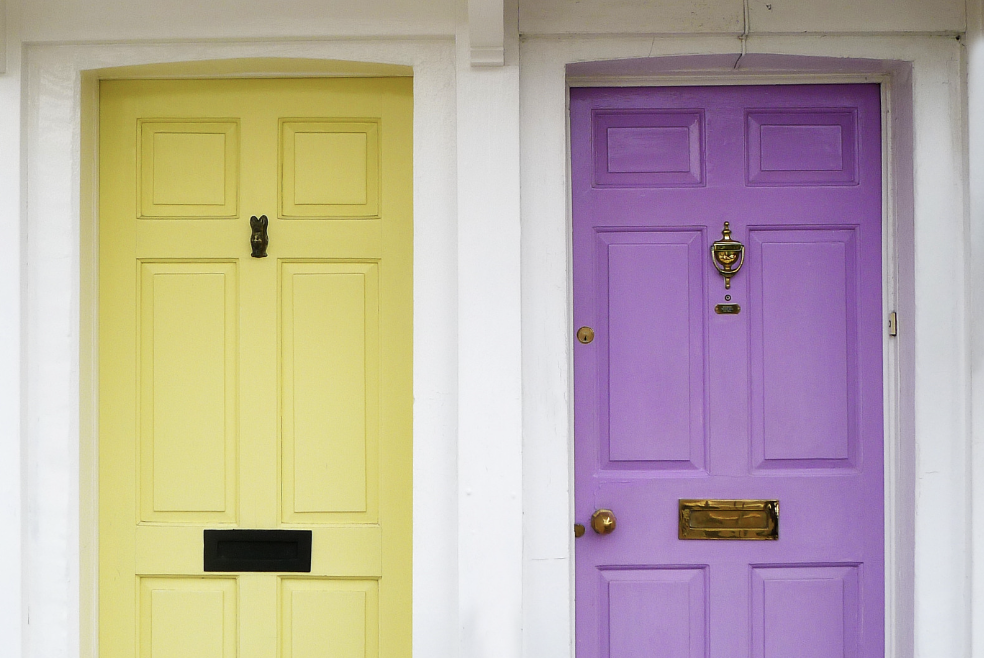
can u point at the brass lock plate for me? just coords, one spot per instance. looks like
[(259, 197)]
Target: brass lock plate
[(585, 335), (729, 519)]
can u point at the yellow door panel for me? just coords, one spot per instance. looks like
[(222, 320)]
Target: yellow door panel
[(330, 361), (337, 618), (188, 617), (255, 393), (329, 169), (189, 169), (188, 382)]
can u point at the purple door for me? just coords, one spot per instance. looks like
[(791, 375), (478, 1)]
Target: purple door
[(678, 398)]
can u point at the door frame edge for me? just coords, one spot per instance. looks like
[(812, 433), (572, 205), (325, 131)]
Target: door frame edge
[(587, 66)]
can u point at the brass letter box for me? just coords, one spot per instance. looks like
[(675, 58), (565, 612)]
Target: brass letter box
[(729, 519)]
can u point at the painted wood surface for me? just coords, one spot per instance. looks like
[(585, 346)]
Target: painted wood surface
[(255, 392), (781, 401)]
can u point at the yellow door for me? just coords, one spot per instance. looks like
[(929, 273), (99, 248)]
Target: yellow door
[(260, 393)]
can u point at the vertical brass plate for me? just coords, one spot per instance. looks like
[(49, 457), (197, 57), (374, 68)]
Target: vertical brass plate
[(729, 519)]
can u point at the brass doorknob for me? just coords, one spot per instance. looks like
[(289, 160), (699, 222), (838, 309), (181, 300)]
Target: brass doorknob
[(603, 522)]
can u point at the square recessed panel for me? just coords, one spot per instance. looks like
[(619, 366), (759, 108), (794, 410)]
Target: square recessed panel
[(330, 618), (656, 611), (329, 169), (652, 148), (189, 169), (801, 147), (808, 611), (187, 617)]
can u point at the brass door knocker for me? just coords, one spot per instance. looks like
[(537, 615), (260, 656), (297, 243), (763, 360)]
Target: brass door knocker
[(259, 239), (728, 255)]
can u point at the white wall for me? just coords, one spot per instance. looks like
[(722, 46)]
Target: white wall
[(12, 614), (975, 124), (542, 17), (116, 20)]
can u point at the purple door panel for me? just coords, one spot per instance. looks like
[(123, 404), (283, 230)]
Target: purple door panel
[(781, 401)]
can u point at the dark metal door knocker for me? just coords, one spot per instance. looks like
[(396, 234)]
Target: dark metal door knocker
[(260, 239)]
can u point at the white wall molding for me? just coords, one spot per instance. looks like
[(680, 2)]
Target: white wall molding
[(490, 432), (975, 149), (486, 32)]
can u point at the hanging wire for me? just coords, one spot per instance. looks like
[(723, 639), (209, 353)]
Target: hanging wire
[(743, 39)]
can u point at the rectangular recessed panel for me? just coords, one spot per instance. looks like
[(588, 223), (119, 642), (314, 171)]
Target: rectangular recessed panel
[(188, 617), (655, 347), (649, 150), (188, 355), (805, 611), (797, 147), (330, 342), (802, 148), (635, 148), (189, 169), (323, 617), (329, 169), (804, 348), (656, 612)]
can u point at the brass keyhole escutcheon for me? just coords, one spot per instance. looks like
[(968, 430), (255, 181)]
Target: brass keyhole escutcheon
[(585, 335), (578, 530), (603, 522)]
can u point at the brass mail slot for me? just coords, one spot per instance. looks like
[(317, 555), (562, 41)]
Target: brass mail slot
[(729, 519)]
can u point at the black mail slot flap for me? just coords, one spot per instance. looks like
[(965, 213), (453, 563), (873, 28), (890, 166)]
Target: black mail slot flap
[(258, 550)]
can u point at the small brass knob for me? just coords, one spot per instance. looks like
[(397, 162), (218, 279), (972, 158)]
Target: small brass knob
[(603, 522), (585, 335)]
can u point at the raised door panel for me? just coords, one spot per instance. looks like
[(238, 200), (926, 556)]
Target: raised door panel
[(656, 612), (329, 169), (804, 334), (329, 358), (188, 169), (648, 148), (188, 358), (805, 611), (652, 390), (324, 617), (188, 618), (802, 147)]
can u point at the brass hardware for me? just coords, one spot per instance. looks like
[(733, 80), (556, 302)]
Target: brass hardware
[(603, 522), (727, 309), (585, 335), (728, 255), (260, 239), (578, 530), (893, 324), (729, 519)]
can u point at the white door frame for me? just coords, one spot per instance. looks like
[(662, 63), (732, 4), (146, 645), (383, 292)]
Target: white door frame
[(919, 553), (61, 482)]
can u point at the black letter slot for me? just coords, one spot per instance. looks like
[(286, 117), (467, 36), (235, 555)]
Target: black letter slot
[(258, 550)]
